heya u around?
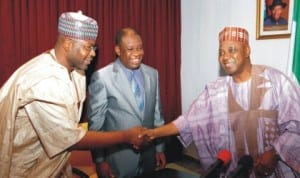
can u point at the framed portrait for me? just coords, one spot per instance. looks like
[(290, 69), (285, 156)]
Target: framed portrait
[(274, 19)]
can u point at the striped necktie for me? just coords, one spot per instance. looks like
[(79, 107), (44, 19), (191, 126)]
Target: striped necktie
[(137, 92)]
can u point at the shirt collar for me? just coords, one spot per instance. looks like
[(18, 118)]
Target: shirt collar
[(137, 72)]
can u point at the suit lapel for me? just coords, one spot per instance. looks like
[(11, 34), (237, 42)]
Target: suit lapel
[(123, 85), (147, 86)]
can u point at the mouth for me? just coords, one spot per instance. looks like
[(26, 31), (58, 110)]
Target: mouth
[(229, 63), (136, 61), (88, 61)]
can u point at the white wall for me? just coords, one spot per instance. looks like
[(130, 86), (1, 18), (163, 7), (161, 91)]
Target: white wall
[(201, 22)]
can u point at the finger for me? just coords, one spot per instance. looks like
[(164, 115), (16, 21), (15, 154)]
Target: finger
[(141, 135), (136, 147), (163, 164), (157, 163), (262, 170)]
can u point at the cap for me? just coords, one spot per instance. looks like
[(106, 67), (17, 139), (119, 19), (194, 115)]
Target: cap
[(234, 34), (277, 3), (78, 26)]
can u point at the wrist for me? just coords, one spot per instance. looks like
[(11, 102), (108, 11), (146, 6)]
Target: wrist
[(126, 136)]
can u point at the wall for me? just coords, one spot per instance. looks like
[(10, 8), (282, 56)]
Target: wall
[(201, 22)]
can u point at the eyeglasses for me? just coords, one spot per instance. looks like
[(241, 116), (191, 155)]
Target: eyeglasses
[(88, 48)]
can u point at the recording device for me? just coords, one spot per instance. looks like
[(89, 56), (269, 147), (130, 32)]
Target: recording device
[(214, 171), (243, 169)]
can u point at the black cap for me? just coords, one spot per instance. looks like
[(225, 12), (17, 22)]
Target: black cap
[(276, 3)]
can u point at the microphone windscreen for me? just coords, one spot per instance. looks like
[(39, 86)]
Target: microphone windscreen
[(225, 156), (246, 161)]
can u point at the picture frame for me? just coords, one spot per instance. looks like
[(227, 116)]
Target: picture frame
[(269, 10)]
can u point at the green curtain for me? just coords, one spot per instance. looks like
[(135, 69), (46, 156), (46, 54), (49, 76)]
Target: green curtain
[(296, 58)]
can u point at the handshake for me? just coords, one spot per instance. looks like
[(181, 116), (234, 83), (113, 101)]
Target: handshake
[(140, 137)]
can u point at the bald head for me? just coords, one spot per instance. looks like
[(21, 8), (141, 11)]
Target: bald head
[(124, 32)]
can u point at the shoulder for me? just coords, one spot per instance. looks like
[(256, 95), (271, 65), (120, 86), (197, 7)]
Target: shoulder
[(282, 21), (269, 22), (40, 73), (109, 68), (274, 75), (42, 76), (217, 87), (218, 83), (148, 69), (106, 74), (40, 68), (269, 70)]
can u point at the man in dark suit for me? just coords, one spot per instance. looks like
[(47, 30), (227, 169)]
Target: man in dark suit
[(275, 18), (125, 94)]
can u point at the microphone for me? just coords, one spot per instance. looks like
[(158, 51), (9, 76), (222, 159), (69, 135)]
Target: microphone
[(223, 158), (243, 169)]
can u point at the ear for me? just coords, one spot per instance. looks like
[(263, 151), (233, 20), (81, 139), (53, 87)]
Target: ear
[(247, 50), (117, 50), (67, 45)]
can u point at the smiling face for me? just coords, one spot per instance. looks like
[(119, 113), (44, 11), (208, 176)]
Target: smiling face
[(276, 12), (81, 54), (234, 59), (130, 50)]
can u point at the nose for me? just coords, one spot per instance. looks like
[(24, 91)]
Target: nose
[(93, 53), (136, 51), (225, 55)]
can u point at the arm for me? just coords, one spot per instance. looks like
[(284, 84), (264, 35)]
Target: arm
[(158, 116), (97, 107), (287, 144), (94, 139), (163, 131)]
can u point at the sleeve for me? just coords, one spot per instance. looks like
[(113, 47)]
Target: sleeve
[(158, 115), (182, 125), (97, 105), (54, 115), (287, 145), (195, 119), (97, 108), (55, 130)]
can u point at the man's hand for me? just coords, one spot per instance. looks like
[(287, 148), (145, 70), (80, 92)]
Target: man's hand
[(104, 170), (160, 160), (134, 138), (148, 135), (266, 163), (158, 132)]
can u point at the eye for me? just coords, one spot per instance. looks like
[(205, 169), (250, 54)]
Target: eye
[(221, 52), (139, 48), (94, 48), (90, 48), (233, 50)]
